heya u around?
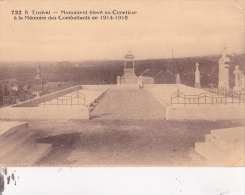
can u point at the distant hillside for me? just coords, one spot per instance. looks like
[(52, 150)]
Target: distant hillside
[(106, 71)]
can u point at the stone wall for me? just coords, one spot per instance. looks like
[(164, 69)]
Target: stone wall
[(40, 113), (233, 112)]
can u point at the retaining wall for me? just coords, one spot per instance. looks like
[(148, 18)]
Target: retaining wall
[(39, 113), (234, 112)]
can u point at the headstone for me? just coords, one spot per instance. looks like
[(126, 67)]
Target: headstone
[(239, 79), (197, 77), (224, 70), (178, 81)]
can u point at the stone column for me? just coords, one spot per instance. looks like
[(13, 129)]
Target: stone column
[(197, 77), (224, 70)]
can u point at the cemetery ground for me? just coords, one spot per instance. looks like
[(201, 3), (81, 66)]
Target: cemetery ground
[(124, 142), (127, 128)]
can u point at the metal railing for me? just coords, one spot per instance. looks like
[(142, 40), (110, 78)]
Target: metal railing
[(180, 98), (228, 92), (16, 99), (74, 99)]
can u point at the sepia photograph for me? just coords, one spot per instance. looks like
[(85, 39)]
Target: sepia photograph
[(122, 83)]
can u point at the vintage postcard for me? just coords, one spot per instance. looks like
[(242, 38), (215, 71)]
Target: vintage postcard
[(122, 83)]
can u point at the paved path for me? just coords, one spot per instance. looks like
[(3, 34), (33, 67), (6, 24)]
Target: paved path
[(129, 104)]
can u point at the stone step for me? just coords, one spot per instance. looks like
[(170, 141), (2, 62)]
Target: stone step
[(14, 141), (197, 159), (214, 150), (9, 127), (217, 142), (235, 133), (30, 153), (223, 146), (209, 151)]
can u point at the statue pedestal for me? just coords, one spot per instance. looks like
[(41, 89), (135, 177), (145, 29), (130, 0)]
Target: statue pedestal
[(129, 79)]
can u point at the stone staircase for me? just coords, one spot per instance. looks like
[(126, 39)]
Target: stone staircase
[(18, 145), (223, 147)]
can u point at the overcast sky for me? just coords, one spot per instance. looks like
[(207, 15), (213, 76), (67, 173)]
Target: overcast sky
[(191, 28)]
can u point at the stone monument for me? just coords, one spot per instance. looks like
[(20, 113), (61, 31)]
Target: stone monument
[(129, 78), (38, 82), (178, 81), (239, 79), (224, 70), (197, 77)]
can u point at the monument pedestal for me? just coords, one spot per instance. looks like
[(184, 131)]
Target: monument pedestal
[(129, 80)]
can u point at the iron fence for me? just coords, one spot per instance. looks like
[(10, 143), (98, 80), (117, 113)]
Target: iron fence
[(74, 99), (227, 92), (180, 98), (16, 99)]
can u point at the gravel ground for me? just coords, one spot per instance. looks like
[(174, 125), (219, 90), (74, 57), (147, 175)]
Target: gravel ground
[(130, 131)]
